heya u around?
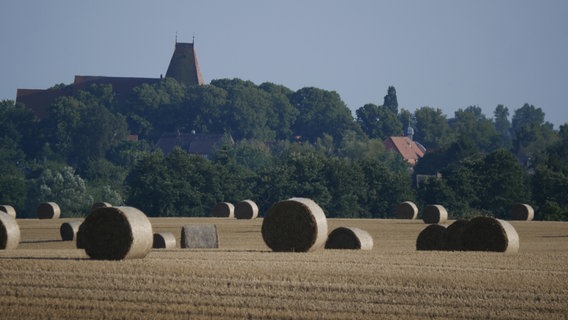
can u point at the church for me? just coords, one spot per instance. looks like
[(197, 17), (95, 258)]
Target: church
[(183, 67)]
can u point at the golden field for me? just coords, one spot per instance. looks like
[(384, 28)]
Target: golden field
[(46, 278)]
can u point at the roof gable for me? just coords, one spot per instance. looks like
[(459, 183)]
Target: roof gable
[(409, 149)]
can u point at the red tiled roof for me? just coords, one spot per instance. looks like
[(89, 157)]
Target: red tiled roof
[(406, 147), (184, 66)]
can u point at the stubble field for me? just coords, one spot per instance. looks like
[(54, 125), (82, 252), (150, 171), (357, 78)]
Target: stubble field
[(46, 278)]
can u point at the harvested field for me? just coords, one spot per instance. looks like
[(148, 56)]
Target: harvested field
[(48, 278)]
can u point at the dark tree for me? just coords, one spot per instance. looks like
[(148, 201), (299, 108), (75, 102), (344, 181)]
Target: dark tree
[(390, 100)]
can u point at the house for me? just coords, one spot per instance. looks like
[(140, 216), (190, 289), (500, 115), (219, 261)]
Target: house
[(183, 67), (409, 149), (193, 143)]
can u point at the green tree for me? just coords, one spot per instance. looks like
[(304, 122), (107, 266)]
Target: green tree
[(390, 100), (531, 134), (470, 124), (321, 112), (65, 188), (503, 126), (432, 129), (504, 183), (378, 121)]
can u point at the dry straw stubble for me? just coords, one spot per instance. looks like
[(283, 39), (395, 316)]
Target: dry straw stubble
[(406, 210), (349, 238), (434, 213), (116, 233), (296, 224), (224, 210), (9, 210), (490, 234), (48, 210), (69, 230), (431, 238), (9, 232)]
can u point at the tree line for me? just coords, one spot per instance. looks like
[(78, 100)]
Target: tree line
[(288, 143)]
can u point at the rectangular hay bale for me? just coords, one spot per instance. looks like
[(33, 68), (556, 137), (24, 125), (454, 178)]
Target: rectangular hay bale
[(199, 236)]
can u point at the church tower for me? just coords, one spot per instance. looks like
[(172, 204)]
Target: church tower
[(184, 66)]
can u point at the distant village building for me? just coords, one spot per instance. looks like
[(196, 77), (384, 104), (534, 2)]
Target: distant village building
[(410, 150), (183, 67)]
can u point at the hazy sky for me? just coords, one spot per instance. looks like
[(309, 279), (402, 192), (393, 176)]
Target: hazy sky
[(442, 54)]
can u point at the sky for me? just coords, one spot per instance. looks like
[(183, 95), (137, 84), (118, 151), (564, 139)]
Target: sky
[(438, 53)]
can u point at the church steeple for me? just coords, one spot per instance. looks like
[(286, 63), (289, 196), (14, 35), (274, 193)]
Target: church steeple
[(184, 66)]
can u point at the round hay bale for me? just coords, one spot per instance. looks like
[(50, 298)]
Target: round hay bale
[(224, 210), (9, 232), (246, 209), (296, 224), (490, 234), (68, 230), (116, 233), (452, 238), (9, 210), (521, 211), (48, 210), (431, 238), (406, 210), (164, 240), (349, 238), (434, 213), (97, 205)]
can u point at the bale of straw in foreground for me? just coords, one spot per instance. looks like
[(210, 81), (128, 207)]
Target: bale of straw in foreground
[(48, 210), (199, 236), (224, 210), (349, 238), (246, 209), (8, 210), (116, 233), (431, 238), (434, 213), (452, 238), (296, 224), (164, 240), (9, 232), (406, 210), (97, 205), (521, 211), (68, 230), (490, 234)]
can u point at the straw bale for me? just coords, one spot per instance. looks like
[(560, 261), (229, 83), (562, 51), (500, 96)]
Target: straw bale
[(431, 238), (521, 211), (406, 210), (246, 209), (224, 210), (164, 240), (349, 238), (296, 224), (68, 230), (434, 213), (490, 234), (48, 210), (9, 210), (452, 238), (199, 236), (97, 205), (9, 232), (116, 233)]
